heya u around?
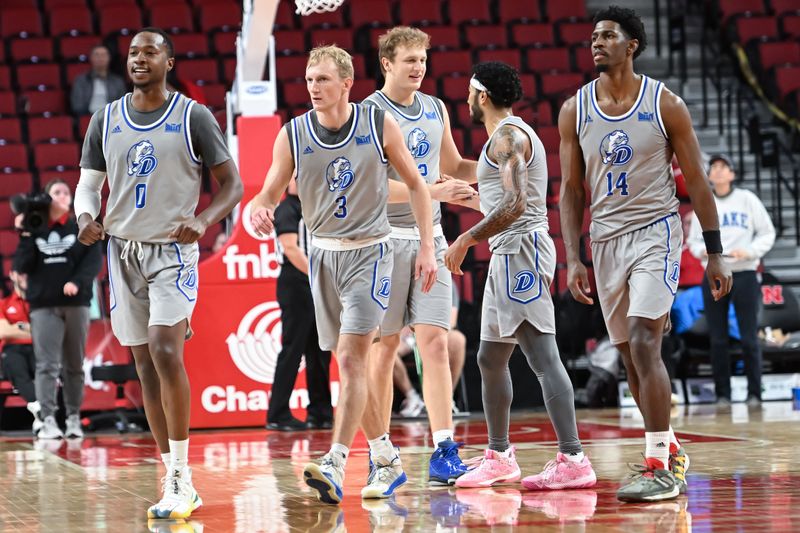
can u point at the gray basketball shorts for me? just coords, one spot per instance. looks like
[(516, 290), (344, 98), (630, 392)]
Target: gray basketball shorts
[(637, 274), (157, 287), (518, 290), (408, 304), (351, 290)]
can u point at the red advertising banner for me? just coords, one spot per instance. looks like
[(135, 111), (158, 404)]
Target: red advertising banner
[(237, 322)]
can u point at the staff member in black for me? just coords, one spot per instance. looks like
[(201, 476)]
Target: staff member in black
[(299, 327)]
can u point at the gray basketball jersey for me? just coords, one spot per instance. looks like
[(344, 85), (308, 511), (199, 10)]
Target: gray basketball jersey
[(153, 175), (423, 128), (343, 187), (490, 185), (628, 162)]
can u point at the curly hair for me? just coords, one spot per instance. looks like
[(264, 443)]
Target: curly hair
[(501, 81), (630, 23)]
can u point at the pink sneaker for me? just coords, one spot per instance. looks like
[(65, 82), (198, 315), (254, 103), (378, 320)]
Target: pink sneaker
[(562, 474), (495, 467)]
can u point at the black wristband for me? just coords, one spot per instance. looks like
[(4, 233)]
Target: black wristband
[(713, 241)]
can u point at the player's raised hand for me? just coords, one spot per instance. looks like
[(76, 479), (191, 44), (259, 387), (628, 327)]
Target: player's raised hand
[(719, 276), (426, 267), (262, 219), (89, 231), (578, 283), (189, 232)]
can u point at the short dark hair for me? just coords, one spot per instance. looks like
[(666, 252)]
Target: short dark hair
[(501, 81), (629, 21), (165, 35)]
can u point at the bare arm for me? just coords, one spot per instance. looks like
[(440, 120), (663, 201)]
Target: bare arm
[(509, 149), (293, 253), (450, 190), (278, 177), (229, 194), (450, 161), (678, 125), (10, 331), (573, 199)]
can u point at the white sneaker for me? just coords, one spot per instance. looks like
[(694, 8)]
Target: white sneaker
[(74, 429), (179, 499), (35, 409), (386, 476), (50, 429), (327, 478), (412, 407)]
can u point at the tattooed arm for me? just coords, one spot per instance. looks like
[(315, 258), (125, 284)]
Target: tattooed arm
[(509, 149)]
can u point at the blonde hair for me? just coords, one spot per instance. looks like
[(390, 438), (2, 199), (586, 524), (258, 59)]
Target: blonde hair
[(341, 59), (389, 42)]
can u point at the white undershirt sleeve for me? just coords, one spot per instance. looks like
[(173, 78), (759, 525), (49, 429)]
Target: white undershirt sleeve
[(87, 194)]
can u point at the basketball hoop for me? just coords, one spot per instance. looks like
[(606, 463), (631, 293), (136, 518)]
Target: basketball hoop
[(307, 7)]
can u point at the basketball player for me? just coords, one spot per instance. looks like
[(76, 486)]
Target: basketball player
[(517, 305), (152, 145), (340, 154), (426, 129), (619, 134)]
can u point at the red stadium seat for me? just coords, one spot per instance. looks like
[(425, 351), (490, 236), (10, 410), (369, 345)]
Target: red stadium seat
[(50, 129), (123, 19), (528, 82), (69, 175), (32, 50), (289, 67), (328, 19), (10, 131), (5, 78), (47, 103), (14, 183), (469, 12), (532, 34), (548, 60), (20, 21), (361, 89), (481, 253), (455, 88), (584, 62), (460, 114), (486, 36), (554, 221), (290, 41), (458, 139), (442, 37), (284, 19), (6, 220), (515, 10), (477, 138), (83, 125), (553, 191), (780, 53), (190, 45), (49, 5), (19, 3), (102, 4), (428, 86), (341, 37), (8, 101), (550, 138), (200, 71), (554, 169), (229, 69), (784, 7), (172, 17), (13, 157), (74, 70), (556, 84), (56, 156), (449, 62), (421, 12), (9, 240), (41, 76), (79, 47), (565, 9), (294, 93), (70, 20), (571, 33), (215, 94), (729, 8), (787, 80), (535, 112), (510, 57), (790, 25), (561, 250), (372, 13), (762, 28), (225, 43)]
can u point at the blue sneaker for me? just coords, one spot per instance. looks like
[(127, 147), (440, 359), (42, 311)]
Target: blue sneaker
[(446, 509), (445, 465)]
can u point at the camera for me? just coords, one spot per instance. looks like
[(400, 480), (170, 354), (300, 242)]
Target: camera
[(35, 207)]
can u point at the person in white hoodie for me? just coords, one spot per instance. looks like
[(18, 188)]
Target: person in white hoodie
[(747, 235)]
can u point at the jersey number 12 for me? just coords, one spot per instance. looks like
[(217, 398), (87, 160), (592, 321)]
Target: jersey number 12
[(621, 183)]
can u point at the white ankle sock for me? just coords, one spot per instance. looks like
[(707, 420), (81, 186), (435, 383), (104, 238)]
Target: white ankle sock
[(381, 447), (341, 450), (657, 446), (673, 439), (166, 459), (574, 457), (179, 453), (442, 435)]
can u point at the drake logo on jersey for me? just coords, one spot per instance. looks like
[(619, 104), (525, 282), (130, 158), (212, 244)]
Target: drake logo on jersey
[(141, 159), (418, 144), (339, 174), (615, 149)]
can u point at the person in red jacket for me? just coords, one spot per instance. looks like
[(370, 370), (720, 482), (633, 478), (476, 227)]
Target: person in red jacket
[(19, 362)]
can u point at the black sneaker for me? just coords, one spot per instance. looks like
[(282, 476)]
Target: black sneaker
[(291, 424), (316, 423)]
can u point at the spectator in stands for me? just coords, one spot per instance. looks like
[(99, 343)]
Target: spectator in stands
[(747, 235), (94, 89), (61, 272), (19, 364)]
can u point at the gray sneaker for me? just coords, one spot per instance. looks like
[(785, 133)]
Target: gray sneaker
[(384, 478), (649, 485), (74, 429), (50, 429)]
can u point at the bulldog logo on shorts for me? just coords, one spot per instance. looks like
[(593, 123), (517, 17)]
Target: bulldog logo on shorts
[(339, 174)]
